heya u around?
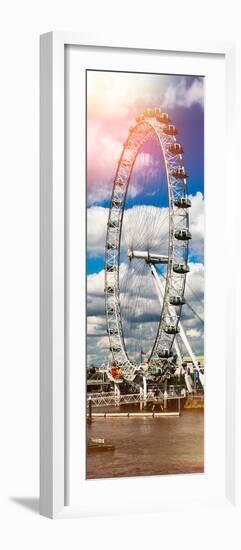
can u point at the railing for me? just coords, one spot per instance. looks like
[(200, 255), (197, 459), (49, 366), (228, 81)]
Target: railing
[(105, 400), (196, 397), (98, 382)]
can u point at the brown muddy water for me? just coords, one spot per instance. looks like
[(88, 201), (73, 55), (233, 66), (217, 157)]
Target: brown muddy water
[(148, 446)]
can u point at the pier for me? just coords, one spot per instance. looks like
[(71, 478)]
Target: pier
[(116, 399)]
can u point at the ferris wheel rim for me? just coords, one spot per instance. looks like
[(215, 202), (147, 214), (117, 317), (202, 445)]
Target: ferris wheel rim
[(116, 337)]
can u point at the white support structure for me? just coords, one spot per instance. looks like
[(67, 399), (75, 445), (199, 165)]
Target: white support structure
[(144, 391), (160, 292), (179, 355), (117, 394), (182, 332), (149, 257), (190, 352)]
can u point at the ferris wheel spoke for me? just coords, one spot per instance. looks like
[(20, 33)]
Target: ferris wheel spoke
[(129, 306), (137, 309)]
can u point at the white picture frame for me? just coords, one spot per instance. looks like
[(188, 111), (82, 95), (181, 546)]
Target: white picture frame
[(53, 433)]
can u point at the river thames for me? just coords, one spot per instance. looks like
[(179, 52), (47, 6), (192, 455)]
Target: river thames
[(148, 446)]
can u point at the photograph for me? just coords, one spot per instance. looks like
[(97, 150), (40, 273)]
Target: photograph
[(145, 359)]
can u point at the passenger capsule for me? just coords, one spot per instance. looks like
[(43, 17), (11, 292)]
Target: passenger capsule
[(113, 224), (128, 144), (177, 300), (183, 234), (179, 173), (125, 163), (164, 353), (170, 130), (164, 118), (116, 202), (110, 268), (139, 129), (111, 246), (149, 112), (176, 148), (109, 289), (119, 181), (115, 348), (181, 268), (171, 329), (113, 331), (183, 202), (139, 118)]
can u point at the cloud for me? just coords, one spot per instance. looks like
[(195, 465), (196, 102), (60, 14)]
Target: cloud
[(95, 294), (113, 101), (155, 233), (98, 343), (194, 295), (195, 282), (196, 222), (147, 307), (193, 333), (97, 217), (103, 343), (96, 326), (183, 95), (111, 109), (103, 152)]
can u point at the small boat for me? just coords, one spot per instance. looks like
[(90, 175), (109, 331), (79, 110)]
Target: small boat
[(100, 444)]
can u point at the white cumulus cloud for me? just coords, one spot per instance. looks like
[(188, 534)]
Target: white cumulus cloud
[(134, 218), (97, 217), (183, 95), (98, 343)]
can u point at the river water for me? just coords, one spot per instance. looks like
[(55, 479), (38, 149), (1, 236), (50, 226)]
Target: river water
[(148, 446)]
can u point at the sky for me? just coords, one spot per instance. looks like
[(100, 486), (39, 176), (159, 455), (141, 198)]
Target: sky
[(114, 99)]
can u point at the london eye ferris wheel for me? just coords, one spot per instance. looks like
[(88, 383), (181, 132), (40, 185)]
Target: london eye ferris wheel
[(146, 249)]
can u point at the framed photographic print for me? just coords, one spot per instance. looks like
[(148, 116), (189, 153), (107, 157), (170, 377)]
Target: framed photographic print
[(137, 356), (142, 364)]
